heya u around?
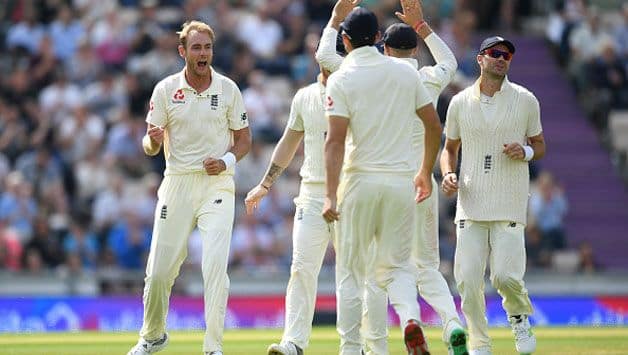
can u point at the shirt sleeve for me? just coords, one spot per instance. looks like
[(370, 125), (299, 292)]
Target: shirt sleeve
[(326, 54), (437, 77), (452, 126), (157, 113), (336, 103), (295, 120), (534, 118), (422, 95), (236, 113)]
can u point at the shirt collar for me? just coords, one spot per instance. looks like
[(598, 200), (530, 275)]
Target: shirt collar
[(506, 85), (414, 62), (361, 54), (214, 88)]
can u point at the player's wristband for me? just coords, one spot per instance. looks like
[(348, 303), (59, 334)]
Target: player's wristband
[(419, 25), (529, 153), (229, 159)]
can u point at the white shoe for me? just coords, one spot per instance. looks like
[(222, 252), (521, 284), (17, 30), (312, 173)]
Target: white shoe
[(145, 347), (525, 341), (284, 348), (481, 351)]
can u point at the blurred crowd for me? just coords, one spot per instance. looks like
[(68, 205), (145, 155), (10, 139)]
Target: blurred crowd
[(77, 193), (593, 48)]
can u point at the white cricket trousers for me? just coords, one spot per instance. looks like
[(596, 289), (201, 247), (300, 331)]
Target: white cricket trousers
[(431, 284), (374, 210), (311, 235), (186, 201), (502, 243)]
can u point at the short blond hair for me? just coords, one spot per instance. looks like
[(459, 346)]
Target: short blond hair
[(198, 26)]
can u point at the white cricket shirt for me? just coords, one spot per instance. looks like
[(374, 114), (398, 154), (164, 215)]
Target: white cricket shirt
[(493, 187), (197, 125), (379, 96), (307, 115)]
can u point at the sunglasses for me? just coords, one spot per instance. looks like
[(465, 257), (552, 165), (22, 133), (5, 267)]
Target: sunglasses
[(496, 53)]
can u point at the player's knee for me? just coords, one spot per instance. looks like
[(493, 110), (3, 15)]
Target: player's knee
[(157, 280), (504, 281), (300, 267)]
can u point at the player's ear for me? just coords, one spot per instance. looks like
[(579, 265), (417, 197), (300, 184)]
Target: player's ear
[(181, 51)]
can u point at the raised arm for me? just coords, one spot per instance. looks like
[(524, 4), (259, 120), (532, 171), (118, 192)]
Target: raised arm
[(326, 54), (446, 64)]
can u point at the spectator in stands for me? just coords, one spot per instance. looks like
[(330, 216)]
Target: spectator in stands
[(129, 239), (587, 264), (586, 43), (18, 208), (81, 246), (10, 247), (608, 78), (45, 243), (13, 131), (26, 33), (548, 206), (621, 35), (66, 33)]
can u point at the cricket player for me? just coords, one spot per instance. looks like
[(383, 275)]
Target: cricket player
[(311, 233), (199, 117), (400, 40), (498, 125), (372, 102)]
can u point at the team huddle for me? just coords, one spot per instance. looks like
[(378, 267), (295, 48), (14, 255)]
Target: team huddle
[(371, 138)]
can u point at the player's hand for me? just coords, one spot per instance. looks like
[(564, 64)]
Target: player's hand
[(329, 210), (254, 197), (412, 12), (450, 184), (423, 186), (156, 134), (214, 166), (342, 9), (514, 151)]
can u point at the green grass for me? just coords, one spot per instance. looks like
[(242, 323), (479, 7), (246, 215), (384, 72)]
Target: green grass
[(558, 341)]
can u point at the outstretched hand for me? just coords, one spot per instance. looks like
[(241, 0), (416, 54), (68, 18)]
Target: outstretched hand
[(254, 197), (343, 8), (412, 12), (423, 186)]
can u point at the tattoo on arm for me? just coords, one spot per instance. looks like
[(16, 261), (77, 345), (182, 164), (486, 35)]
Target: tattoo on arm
[(274, 171)]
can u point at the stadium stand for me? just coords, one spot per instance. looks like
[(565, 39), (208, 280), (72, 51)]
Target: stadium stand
[(77, 193)]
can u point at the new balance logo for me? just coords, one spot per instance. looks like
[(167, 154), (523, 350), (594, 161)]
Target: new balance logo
[(214, 102), (164, 212), (218, 201), (299, 214), (461, 224), (488, 162), (243, 117), (512, 224)]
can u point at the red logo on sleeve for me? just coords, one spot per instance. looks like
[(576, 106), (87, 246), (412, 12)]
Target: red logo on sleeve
[(329, 103), (179, 95)]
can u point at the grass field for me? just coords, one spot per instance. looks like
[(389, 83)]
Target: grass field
[(559, 341)]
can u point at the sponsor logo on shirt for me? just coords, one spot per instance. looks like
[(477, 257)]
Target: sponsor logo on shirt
[(164, 212), (329, 103), (179, 97), (214, 102)]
